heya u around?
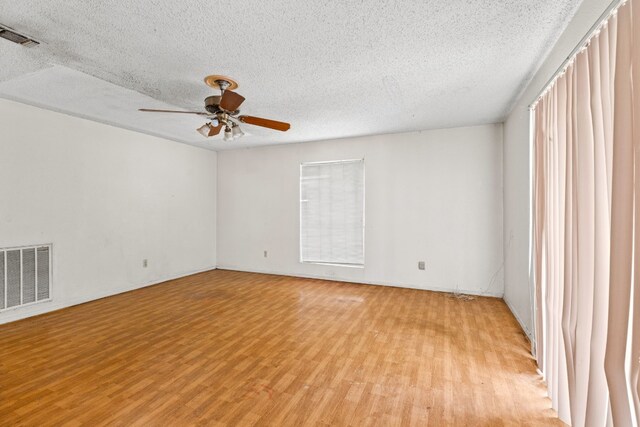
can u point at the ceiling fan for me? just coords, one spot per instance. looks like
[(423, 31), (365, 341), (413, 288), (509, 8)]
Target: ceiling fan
[(222, 111)]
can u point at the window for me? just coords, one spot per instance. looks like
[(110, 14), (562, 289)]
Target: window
[(332, 212)]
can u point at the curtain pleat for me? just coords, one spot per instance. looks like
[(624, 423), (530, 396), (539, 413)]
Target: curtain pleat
[(565, 206), (621, 226), (586, 222), (597, 394), (635, 312), (538, 224), (568, 316), (585, 237)]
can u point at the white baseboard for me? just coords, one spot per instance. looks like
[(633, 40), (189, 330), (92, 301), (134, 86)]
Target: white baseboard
[(522, 324), (56, 304), (358, 281)]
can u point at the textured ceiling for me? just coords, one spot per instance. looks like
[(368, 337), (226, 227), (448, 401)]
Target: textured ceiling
[(332, 69)]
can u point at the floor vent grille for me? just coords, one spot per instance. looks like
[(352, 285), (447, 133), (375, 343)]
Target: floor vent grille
[(25, 276)]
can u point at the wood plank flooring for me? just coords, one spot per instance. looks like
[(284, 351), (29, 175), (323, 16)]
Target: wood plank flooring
[(229, 348)]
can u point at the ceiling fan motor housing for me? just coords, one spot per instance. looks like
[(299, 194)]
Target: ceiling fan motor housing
[(211, 104)]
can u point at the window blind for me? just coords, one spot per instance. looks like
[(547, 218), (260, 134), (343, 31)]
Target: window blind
[(332, 212)]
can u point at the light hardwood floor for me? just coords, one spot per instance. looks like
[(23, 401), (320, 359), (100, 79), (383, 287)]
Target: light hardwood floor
[(230, 348)]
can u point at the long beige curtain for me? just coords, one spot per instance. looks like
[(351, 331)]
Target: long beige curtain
[(586, 229)]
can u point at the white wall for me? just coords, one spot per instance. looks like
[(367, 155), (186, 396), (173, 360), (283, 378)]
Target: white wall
[(517, 292), (433, 195), (106, 198)]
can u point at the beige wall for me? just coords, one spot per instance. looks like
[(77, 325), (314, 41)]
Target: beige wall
[(106, 198), (433, 196)]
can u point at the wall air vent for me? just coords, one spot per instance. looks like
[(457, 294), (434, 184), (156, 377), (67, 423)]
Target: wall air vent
[(12, 36), (25, 276)]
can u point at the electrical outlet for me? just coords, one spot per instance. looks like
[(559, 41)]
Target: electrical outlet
[(265, 254), (145, 263), (421, 265)]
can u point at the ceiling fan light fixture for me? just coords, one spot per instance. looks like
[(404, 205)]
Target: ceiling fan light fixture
[(237, 132), (204, 130), (228, 135)]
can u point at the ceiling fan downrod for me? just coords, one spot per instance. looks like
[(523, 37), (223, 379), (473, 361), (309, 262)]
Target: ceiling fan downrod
[(223, 85)]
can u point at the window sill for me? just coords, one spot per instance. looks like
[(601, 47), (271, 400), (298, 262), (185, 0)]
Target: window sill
[(332, 264)]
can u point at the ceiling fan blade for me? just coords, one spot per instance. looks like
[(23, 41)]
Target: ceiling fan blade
[(149, 110), (265, 123), (214, 130), (231, 101)]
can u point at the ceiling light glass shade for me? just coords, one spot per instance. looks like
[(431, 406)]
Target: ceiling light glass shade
[(237, 132), (228, 136), (204, 130)]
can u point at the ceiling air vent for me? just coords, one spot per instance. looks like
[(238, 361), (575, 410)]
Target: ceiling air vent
[(12, 36)]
